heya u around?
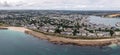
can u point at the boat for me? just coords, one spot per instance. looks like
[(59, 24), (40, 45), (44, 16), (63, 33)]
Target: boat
[(118, 24)]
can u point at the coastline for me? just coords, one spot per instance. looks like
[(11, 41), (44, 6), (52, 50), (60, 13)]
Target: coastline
[(61, 40), (3, 28), (19, 29), (79, 42)]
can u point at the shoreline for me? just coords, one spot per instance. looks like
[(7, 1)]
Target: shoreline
[(79, 42), (62, 41), (3, 28), (19, 29)]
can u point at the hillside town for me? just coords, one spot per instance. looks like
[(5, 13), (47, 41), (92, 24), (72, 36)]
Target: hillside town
[(62, 23)]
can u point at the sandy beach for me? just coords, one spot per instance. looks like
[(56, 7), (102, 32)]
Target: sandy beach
[(79, 42), (20, 29), (61, 40)]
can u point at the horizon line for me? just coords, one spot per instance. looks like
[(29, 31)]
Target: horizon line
[(60, 10)]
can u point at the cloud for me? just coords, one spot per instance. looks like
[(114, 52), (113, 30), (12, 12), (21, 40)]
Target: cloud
[(63, 4), (5, 4), (13, 4)]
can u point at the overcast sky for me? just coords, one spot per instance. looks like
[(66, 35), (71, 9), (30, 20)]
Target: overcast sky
[(61, 4)]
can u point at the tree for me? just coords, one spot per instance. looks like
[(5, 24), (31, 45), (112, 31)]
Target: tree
[(112, 32), (75, 32), (87, 34), (96, 33), (57, 30), (100, 29)]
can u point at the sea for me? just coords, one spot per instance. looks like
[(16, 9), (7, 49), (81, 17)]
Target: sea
[(19, 43)]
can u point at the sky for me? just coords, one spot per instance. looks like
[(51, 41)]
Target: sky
[(61, 4)]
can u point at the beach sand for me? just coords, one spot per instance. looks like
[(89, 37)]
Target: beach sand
[(61, 40), (79, 42), (20, 29)]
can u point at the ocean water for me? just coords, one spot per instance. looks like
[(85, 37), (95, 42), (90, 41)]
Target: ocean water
[(106, 21), (18, 43)]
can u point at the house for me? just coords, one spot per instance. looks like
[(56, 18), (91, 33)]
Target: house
[(117, 33), (67, 31)]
